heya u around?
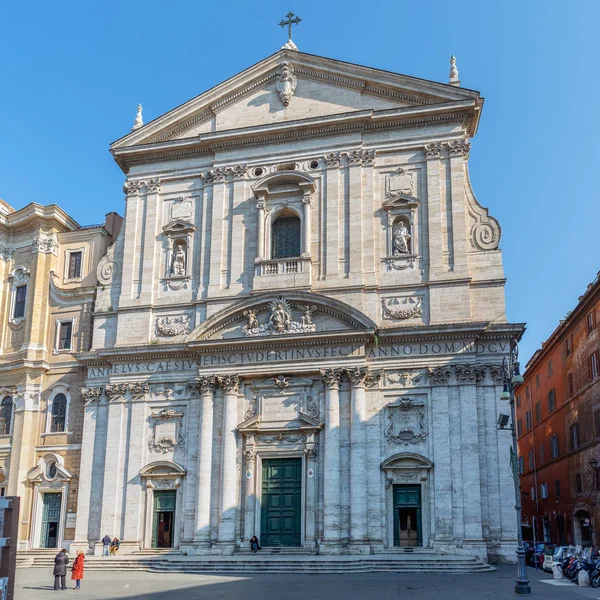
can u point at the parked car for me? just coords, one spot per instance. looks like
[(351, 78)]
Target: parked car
[(536, 555), (552, 554)]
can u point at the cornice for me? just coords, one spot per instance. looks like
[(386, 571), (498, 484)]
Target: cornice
[(30, 216), (362, 122)]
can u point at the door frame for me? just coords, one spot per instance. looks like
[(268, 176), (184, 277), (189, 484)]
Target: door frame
[(257, 485), (419, 509), (155, 517), (174, 486), (35, 532)]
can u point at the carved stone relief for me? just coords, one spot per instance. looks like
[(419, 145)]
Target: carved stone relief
[(165, 432), (170, 326), (399, 183), (286, 82), (401, 308), (279, 320), (107, 268), (406, 420), (45, 245)]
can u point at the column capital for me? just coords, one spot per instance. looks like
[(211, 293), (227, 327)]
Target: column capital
[(331, 377), (229, 383), (205, 384), (359, 376)]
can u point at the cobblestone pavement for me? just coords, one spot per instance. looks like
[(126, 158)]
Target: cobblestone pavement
[(36, 584)]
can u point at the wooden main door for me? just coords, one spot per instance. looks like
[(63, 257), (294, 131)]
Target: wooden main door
[(281, 502), (163, 519), (407, 515), (50, 520)]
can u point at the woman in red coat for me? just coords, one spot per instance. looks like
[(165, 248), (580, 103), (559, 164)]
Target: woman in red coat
[(77, 569)]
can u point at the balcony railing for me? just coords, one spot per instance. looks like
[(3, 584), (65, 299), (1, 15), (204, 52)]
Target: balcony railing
[(284, 266)]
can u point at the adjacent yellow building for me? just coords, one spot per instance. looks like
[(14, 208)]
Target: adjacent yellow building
[(48, 279)]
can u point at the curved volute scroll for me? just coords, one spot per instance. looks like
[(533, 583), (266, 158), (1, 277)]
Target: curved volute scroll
[(294, 313), (484, 232)]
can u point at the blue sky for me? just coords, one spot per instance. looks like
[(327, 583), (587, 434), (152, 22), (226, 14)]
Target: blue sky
[(74, 72)]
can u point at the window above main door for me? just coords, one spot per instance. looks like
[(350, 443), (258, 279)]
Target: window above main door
[(283, 203)]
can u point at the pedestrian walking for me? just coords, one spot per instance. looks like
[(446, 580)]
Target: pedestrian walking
[(105, 544), (60, 569), (77, 569), (114, 546)]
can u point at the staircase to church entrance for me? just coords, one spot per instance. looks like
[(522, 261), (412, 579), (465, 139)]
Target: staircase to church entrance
[(268, 563)]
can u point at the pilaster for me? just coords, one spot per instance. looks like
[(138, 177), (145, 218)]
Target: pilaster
[(331, 204), (216, 177)]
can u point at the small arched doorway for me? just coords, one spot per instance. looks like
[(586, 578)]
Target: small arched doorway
[(582, 528)]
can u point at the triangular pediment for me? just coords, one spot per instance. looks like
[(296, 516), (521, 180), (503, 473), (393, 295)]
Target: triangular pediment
[(179, 226), (317, 88)]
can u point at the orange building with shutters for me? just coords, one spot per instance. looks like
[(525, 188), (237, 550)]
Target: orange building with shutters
[(558, 430)]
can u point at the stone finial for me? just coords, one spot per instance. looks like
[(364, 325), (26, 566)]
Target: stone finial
[(138, 119), (454, 80)]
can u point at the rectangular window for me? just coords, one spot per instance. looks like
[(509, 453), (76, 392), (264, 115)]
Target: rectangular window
[(557, 484), (578, 483), (551, 400), (74, 265), (521, 465), (528, 420), (570, 383), (597, 478), (591, 321), (541, 454), (574, 436), (531, 459), (65, 332), (593, 365), (544, 490), (568, 345), (527, 392), (549, 367), (20, 296), (520, 427), (597, 423), (554, 446), (518, 401), (538, 412), (537, 380), (533, 494)]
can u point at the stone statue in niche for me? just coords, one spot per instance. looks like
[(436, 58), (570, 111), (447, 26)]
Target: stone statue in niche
[(400, 239), (307, 319), (178, 266)]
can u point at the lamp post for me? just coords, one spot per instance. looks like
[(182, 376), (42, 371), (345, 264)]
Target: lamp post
[(512, 377)]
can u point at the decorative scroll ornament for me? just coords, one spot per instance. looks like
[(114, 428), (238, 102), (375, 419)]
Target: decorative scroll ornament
[(439, 375), (131, 187), (172, 326), (286, 82), (312, 407), (332, 159), (252, 408), (399, 263), (45, 245), (402, 308), (403, 377), (91, 394), (280, 320), (6, 252), (361, 157), (107, 268), (433, 150), (331, 377), (406, 423), (281, 382), (166, 435), (310, 453)]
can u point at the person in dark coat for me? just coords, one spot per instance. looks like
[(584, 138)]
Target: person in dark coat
[(60, 569), (105, 544), (254, 544)]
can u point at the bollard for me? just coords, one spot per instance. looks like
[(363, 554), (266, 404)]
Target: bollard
[(556, 572), (583, 578)]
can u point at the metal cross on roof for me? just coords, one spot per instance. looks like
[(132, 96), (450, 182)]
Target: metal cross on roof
[(289, 22)]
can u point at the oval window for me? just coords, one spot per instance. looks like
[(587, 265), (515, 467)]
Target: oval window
[(51, 470)]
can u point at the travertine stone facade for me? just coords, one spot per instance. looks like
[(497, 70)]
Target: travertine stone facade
[(41, 287), (370, 351)]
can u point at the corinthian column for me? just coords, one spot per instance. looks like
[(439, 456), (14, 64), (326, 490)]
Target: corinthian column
[(202, 533), (331, 485), (228, 505), (358, 457)]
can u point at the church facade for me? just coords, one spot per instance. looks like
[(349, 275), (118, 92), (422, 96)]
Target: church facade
[(299, 332)]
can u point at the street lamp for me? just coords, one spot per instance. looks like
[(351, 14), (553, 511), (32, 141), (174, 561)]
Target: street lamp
[(512, 377)]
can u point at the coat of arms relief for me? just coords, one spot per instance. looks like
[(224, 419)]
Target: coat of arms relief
[(406, 422)]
